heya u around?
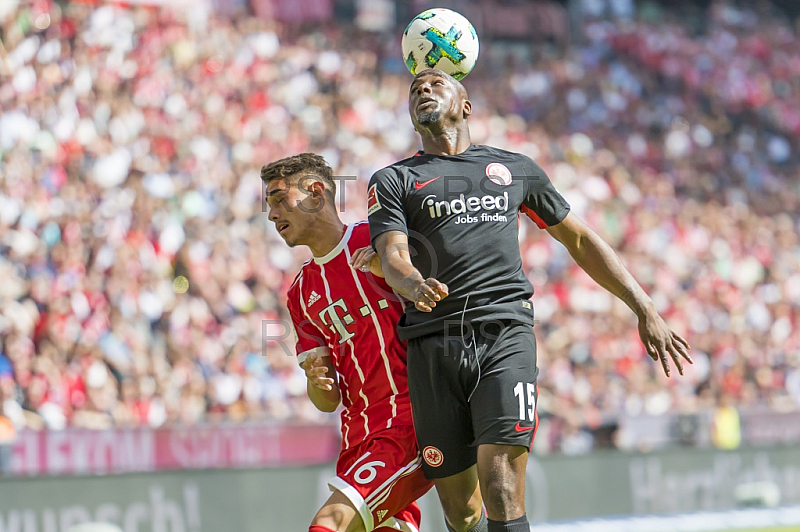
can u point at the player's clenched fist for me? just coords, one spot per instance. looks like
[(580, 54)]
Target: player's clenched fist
[(317, 373), (427, 293)]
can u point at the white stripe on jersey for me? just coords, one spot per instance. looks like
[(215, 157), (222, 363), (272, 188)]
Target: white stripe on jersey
[(352, 354), (379, 489), (305, 311), (361, 389), (379, 331), (300, 275), (346, 412), (377, 502), (299, 282), (378, 498)]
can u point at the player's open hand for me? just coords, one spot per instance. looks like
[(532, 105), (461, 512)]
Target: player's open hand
[(662, 343), (427, 293), (317, 373), (363, 259)]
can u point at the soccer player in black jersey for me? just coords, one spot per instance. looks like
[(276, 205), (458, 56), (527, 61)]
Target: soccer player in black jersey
[(469, 324)]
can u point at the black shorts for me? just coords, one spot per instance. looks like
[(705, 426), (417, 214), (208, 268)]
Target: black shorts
[(471, 389)]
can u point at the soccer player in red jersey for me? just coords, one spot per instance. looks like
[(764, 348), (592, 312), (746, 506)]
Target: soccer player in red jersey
[(345, 323)]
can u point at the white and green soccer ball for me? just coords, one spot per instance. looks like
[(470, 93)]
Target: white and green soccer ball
[(443, 39)]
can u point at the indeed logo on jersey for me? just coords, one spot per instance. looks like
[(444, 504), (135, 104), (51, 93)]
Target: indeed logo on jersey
[(482, 208)]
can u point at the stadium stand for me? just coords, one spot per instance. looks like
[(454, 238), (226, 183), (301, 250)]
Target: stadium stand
[(130, 143)]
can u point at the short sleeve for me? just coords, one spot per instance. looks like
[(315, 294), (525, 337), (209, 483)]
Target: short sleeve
[(385, 203), (542, 202), (308, 335)]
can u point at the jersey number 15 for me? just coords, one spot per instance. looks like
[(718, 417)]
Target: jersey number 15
[(522, 396)]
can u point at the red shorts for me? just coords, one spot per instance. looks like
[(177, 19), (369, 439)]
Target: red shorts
[(383, 477)]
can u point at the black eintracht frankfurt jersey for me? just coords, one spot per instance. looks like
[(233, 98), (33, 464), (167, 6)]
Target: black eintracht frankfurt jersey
[(460, 215)]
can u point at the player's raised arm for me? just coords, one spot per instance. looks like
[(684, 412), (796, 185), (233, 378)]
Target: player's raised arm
[(597, 259), (400, 273)]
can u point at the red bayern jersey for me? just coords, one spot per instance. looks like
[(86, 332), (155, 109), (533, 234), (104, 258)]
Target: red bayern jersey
[(352, 316)]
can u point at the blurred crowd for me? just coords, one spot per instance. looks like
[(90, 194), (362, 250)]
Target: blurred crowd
[(745, 60), (143, 285)]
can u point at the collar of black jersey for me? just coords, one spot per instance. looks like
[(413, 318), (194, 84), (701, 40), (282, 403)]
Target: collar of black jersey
[(421, 153)]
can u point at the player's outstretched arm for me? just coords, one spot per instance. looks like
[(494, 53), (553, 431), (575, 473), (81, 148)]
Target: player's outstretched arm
[(400, 273), (597, 259), (323, 389)]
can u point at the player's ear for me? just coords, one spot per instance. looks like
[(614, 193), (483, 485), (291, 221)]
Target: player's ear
[(467, 108), (312, 187), (317, 189)]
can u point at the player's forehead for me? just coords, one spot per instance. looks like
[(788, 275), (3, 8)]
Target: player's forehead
[(279, 185), (428, 74), (301, 179)]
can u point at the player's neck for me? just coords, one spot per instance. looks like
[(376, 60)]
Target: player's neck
[(327, 235), (445, 142)]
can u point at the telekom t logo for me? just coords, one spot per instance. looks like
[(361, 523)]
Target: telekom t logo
[(330, 317)]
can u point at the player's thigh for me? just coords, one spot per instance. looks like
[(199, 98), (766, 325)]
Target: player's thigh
[(436, 380), (503, 406), (382, 476)]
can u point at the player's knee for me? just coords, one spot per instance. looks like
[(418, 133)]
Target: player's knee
[(339, 514), (328, 518), (462, 517), (503, 493), (501, 499), (460, 496), (498, 498), (464, 523), (335, 517)]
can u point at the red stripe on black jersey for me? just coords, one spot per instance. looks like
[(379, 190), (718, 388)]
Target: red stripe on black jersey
[(533, 216)]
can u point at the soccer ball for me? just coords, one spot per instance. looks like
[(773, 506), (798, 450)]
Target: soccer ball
[(443, 39)]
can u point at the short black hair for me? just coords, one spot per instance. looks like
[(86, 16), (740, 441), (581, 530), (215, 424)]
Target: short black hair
[(304, 164)]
